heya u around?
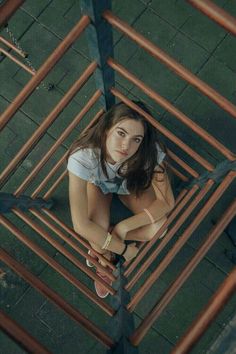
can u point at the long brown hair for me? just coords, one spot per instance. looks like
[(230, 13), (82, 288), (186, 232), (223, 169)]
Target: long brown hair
[(138, 169)]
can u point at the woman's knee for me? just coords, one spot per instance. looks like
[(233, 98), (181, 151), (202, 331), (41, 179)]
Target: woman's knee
[(154, 228)]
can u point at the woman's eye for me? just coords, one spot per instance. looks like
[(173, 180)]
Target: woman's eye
[(137, 140), (121, 133)]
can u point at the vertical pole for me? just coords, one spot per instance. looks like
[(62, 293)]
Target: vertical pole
[(100, 41), (121, 326)]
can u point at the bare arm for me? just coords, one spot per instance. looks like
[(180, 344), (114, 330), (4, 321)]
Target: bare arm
[(158, 208), (79, 213)]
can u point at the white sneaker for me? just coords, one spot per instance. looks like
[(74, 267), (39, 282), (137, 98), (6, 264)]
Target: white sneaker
[(90, 264)]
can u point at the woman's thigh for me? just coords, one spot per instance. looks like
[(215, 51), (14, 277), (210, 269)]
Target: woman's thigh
[(98, 205), (137, 204), (160, 190)]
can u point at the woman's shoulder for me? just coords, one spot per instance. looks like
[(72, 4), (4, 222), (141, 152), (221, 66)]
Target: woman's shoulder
[(87, 157)]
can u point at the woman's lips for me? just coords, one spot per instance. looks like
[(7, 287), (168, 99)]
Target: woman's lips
[(122, 153)]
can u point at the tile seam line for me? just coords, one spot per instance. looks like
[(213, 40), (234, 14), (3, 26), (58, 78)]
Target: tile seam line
[(199, 70), (28, 288), (178, 29), (31, 24), (38, 124), (211, 261), (55, 34), (188, 36), (155, 330), (131, 24)]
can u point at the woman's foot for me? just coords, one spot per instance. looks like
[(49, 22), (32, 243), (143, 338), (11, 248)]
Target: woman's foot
[(90, 264), (100, 289)]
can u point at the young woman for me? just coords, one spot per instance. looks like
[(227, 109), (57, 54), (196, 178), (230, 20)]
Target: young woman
[(118, 154)]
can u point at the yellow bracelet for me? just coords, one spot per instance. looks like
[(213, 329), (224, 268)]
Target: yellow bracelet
[(150, 215), (107, 241)]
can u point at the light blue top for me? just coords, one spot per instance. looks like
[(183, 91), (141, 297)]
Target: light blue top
[(85, 164)]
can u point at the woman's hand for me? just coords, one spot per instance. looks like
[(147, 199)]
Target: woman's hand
[(120, 230), (131, 251)]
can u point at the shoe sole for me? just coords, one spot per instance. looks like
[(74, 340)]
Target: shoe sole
[(89, 264), (163, 234), (97, 292)]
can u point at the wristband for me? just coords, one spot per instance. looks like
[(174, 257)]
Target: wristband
[(107, 241), (150, 215), (126, 245)]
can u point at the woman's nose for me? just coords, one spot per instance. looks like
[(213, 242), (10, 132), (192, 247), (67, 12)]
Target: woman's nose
[(125, 145)]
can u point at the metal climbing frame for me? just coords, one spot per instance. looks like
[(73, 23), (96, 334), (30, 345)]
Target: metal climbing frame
[(204, 185)]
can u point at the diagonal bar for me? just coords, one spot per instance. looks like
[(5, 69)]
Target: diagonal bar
[(55, 265), (173, 110), (208, 314), (55, 185), (77, 237), (7, 9), (18, 62), (178, 173), (171, 63), (62, 137), (165, 131), (48, 121), (183, 164), (159, 307), (44, 70), (216, 13), (170, 234), (20, 335), (67, 240), (56, 167), (182, 240), (151, 243), (12, 46), (55, 298)]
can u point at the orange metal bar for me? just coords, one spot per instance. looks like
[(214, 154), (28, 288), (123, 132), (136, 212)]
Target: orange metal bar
[(44, 70), (60, 248), (170, 62), (181, 241), (55, 265), (173, 110), (62, 137), (49, 176), (208, 314), (52, 189), (183, 164), (164, 131), (54, 169), (48, 121), (56, 299), (168, 237), (18, 62), (183, 202), (12, 46), (158, 308), (178, 173), (143, 245), (20, 335), (76, 236), (7, 9), (216, 13)]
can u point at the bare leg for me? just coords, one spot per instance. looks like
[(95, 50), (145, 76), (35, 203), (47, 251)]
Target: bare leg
[(145, 233), (99, 212), (136, 205)]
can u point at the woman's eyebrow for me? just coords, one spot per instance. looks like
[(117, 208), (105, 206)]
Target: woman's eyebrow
[(139, 135)]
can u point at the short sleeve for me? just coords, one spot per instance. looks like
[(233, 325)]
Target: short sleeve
[(81, 164), (160, 154)]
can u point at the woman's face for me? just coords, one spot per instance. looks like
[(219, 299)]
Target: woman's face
[(123, 140)]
